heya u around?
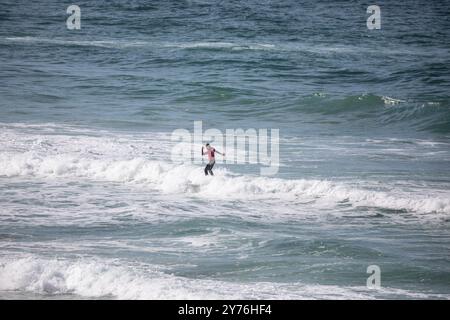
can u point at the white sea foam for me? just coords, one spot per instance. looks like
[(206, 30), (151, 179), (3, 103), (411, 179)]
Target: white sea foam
[(94, 43), (391, 101), (188, 179), (140, 161), (113, 43), (222, 45), (96, 278)]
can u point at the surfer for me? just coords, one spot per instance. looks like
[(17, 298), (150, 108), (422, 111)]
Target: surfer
[(210, 151)]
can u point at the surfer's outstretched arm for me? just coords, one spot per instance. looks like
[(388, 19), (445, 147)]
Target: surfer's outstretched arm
[(222, 154)]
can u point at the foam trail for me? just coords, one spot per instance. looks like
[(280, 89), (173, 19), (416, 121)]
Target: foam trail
[(115, 43)]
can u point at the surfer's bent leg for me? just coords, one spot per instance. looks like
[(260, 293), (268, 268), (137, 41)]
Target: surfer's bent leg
[(211, 165), (207, 169)]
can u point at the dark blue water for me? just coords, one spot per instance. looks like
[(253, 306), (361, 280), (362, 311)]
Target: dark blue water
[(93, 206)]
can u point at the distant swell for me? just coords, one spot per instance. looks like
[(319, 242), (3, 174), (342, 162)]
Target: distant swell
[(431, 116)]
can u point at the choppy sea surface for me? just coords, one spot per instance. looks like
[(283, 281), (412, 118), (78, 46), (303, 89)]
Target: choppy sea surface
[(92, 207)]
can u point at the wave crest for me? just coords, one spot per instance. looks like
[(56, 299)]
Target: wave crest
[(189, 179), (103, 279)]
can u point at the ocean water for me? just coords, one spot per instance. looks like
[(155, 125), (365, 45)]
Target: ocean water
[(92, 207)]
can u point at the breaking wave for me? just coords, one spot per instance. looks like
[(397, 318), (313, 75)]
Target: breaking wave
[(189, 179), (115, 279)]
